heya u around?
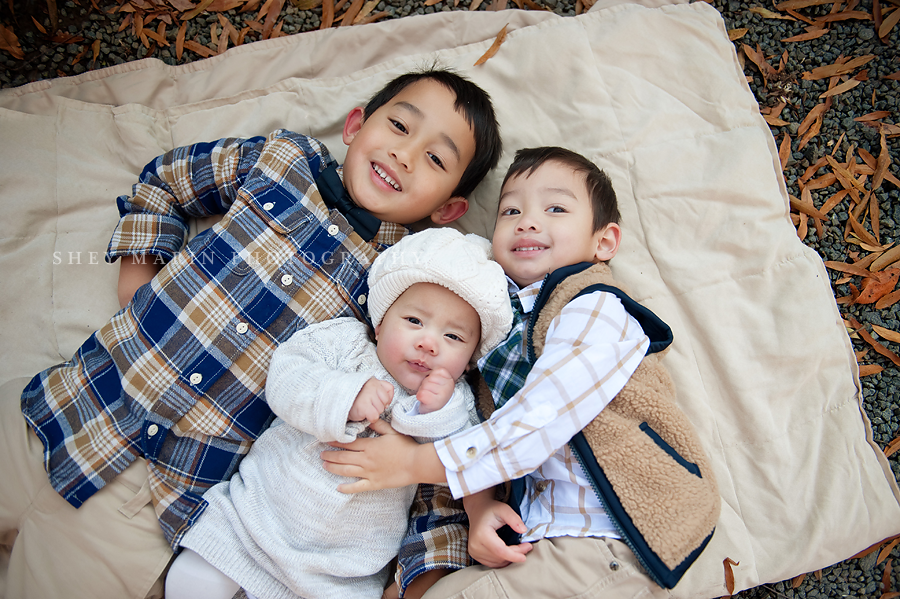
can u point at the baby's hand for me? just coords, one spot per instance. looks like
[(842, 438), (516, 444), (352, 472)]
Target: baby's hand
[(435, 391), (374, 397)]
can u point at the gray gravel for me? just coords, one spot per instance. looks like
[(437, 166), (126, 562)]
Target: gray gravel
[(861, 578)]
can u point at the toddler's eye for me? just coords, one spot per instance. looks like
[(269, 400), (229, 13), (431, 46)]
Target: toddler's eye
[(436, 160), (399, 126), (509, 212), (556, 209)]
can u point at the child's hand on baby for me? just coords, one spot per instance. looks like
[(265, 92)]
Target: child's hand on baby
[(435, 391), (374, 397)]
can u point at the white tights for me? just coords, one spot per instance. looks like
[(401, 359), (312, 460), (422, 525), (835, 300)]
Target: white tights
[(192, 577)]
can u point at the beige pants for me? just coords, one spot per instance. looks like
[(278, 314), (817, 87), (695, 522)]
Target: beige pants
[(557, 568), (111, 546)]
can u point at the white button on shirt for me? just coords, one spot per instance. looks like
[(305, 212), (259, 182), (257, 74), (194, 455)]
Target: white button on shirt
[(529, 435)]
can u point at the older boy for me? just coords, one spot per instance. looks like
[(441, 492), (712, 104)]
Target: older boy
[(164, 401), (612, 491)]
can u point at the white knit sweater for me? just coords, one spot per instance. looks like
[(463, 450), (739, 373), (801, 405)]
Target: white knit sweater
[(279, 527)]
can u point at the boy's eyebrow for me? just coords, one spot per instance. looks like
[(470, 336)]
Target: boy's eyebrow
[(565, 191), (419, 114)]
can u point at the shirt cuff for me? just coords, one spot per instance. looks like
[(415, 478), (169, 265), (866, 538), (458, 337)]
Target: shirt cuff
[(151, 234)]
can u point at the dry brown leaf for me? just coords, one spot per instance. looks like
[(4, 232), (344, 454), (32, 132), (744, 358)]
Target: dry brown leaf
[(839, 89), (757, 58), (806, 206), (768, 14), (851, 269), (199, 9), (845, 16), (887, 334), (887, 301), (844, 176), (95, 48), (736, 34), (893, 76), (729, 574), (795, 4), (784, 151), (837, 68), (797, 581), (327, 14), (501, 37), (878, 285), (775, 121), (366, 10), (875, 345), (53, 13), (39, 26), (892, 447), (884, 161), (889, 23), (805, 37), (886, 577), (198, 48), (873, 116), (10, 43), (811, 117), (181, 5), (351, 12), (882, 555), (869, 369), (179, 40)]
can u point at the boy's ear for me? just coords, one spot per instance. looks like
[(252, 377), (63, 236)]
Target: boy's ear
[(353, 124), (451, 210), (608, 240)]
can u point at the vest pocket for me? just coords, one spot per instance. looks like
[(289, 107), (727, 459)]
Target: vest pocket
[(654, 436)]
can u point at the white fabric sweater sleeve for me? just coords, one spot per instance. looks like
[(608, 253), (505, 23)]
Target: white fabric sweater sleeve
[(454, 417), (315, 376), (592, 348)]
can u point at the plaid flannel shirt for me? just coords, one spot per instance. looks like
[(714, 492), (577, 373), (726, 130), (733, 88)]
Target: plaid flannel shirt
[(178, 376)]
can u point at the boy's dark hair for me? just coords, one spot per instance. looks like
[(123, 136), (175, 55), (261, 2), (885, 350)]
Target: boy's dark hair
[(604, 205), (473, 103)]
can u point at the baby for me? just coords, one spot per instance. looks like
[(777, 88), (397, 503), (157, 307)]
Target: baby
[(280, 527)]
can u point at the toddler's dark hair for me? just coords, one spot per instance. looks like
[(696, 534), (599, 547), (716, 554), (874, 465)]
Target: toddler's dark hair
[(473, 103), (604, 205)]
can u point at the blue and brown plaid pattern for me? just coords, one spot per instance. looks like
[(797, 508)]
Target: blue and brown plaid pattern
[(178, 377)]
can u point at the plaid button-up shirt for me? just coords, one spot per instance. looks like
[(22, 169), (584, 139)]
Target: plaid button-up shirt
[(592, 348), (178, 376)]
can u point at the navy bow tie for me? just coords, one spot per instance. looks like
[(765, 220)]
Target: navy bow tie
[(335, 196)]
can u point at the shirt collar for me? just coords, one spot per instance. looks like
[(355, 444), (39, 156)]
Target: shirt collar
[(527, 295)]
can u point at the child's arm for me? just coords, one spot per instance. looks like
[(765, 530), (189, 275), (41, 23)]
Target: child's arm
[(134, 271), (315, 377), (564, 391)]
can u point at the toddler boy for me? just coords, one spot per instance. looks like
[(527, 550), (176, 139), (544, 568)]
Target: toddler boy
[(611, 487), (166, 399)]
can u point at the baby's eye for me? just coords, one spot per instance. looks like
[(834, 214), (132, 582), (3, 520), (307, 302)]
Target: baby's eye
[(453, 337), (399, 126), (509, 212), (436, 160), (413, 320), (556, 209)]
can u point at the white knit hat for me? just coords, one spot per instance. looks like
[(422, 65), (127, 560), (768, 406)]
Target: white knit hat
[(446, 257)]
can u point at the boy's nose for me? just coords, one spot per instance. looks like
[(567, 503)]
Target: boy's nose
[(427, 344), (401, 154), (526, 223)]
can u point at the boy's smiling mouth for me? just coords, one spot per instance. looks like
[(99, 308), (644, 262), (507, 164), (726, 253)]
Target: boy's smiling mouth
[(529, 245), (386, 177)]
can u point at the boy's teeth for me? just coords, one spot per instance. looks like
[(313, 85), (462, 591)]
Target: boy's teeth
[(526, 249), (385, 176)]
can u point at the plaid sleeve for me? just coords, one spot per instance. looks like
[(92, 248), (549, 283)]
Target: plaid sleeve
[(437, 537), (192, 181)]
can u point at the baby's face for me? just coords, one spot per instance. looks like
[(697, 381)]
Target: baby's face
[(404, 161), (545, 222), (427, 328)]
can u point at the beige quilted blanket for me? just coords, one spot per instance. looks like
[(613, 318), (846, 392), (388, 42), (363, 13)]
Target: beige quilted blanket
[(653, 92)]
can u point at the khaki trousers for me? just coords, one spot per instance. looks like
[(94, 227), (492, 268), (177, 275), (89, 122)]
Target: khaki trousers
[(557, 568), (111, 547)]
